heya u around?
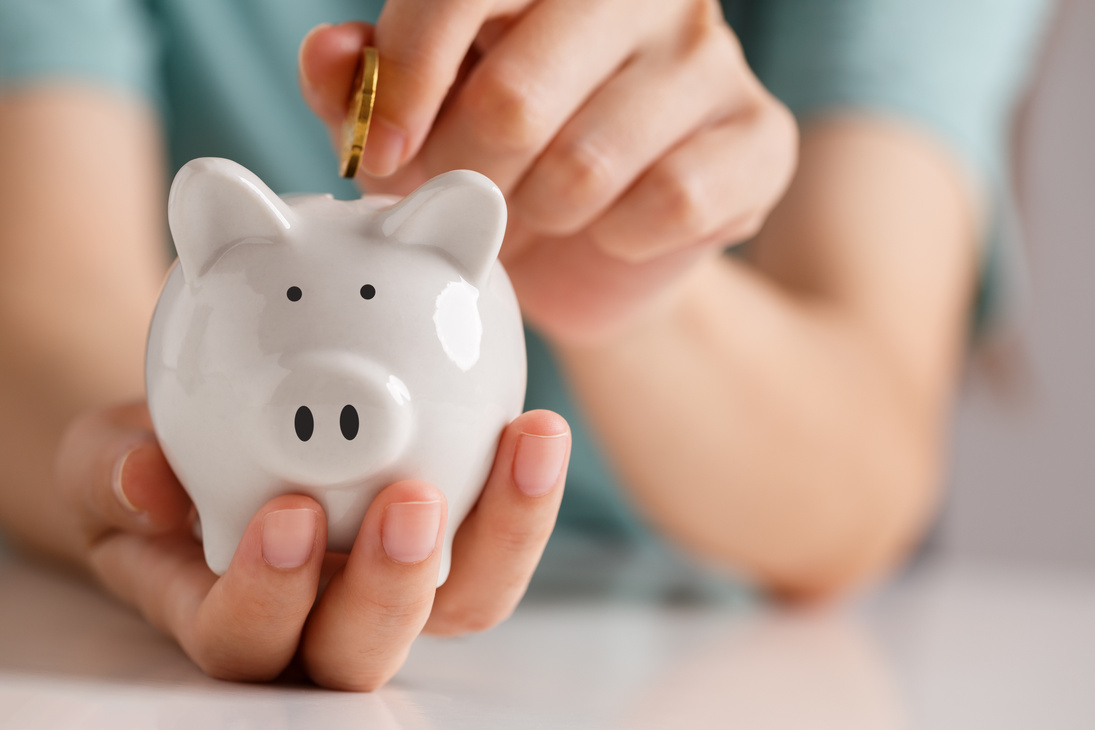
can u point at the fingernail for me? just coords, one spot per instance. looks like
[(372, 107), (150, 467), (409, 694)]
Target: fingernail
[(383, 148), (538, 462), (117, 482), (409, 532), (300, 53), (288, 537)]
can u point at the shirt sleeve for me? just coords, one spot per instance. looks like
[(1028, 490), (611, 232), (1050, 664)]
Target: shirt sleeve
[(111, 43), (954, 68)]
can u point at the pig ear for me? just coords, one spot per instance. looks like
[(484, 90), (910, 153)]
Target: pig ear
[(215, 204), (460, 212)]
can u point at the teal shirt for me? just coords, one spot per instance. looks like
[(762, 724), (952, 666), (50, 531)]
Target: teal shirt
[(223, 76)]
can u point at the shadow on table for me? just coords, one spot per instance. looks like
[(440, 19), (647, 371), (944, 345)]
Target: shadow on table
[(779, 672), (635, 639), (685, 659), (69, 653), (55, 623)]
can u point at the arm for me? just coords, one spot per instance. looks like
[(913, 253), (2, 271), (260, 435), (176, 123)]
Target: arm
[(794, 404), (781, 414), (81, 260)]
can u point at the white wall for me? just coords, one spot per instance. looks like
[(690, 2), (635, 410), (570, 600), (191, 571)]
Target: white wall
[(1023, 476)]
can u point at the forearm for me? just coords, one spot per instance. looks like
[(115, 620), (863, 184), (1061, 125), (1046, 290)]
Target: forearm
[(80, 262), (35, 409), (764, 438), (785, 415)]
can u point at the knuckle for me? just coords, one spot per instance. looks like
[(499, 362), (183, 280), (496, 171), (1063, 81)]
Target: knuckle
[(784, 121), (612, 240), (219, 664), (708, 12), (275, 613), (786, 133), (502, 110), (705, 33), (400, 609), (752, 225), (746, 228), (461, 620), (513, 539), (67, 467), (394, 609), (682, 200), (425, 70), (582, 173)]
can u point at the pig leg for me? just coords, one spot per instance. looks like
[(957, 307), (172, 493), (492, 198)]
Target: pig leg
[(223, 522)]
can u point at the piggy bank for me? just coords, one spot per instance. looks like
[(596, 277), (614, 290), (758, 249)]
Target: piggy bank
[(330, 348)]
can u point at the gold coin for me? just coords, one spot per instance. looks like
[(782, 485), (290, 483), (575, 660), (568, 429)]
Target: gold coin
[(356, 127)]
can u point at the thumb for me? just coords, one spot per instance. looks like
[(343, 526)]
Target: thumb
[(111, 471)]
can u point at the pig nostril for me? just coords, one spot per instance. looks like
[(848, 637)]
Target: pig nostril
[(349, 422), (304, 423)]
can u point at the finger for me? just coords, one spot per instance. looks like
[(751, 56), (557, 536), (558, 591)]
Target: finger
[(245, 625), (422, 44), (536, 77), (653, 103), (327, 64), (500, 542), (363, 626), (718, 186), (110, 466)]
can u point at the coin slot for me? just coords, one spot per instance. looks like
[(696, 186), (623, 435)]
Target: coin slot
[(304, 424)]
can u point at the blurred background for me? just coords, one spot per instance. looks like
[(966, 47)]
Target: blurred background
[(1022, 480), (938, 649)]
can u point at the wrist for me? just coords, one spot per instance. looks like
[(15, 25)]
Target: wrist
[(629, 321)]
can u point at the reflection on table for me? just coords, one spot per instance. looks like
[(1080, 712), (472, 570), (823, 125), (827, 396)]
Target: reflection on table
[(945, 647)]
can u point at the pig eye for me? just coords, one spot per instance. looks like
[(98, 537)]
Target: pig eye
[(368, 291), (294, 293)]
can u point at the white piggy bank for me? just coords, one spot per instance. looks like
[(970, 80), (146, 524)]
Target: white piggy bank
[(330, 348)]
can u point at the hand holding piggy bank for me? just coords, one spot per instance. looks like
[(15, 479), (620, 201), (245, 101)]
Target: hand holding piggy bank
[(331, 348)]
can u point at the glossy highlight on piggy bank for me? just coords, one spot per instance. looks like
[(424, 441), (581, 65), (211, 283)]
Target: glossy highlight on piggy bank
[(330, 348)]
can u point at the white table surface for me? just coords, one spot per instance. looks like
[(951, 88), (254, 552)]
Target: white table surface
[(946, 646)]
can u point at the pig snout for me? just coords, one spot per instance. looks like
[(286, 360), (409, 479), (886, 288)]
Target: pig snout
[(349, 422), (335, 418)]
